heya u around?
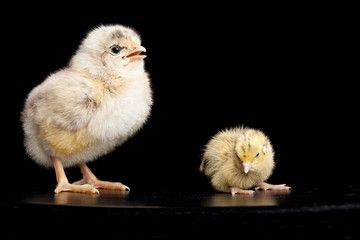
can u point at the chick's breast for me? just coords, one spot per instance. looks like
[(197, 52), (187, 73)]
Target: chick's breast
[(124, 111)]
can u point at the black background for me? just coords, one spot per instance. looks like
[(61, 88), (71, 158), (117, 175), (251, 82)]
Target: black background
[(286, 70)]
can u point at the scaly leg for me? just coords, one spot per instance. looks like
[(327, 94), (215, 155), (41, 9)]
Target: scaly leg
[(235, 190), (265, 186), (63, 184), (90, 178)]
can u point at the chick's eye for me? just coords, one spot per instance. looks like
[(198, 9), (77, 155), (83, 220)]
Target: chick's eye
[(257, 155), (115, 49)]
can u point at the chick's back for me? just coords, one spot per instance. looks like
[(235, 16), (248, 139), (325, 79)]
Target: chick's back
[(217, 152), (217, 159)]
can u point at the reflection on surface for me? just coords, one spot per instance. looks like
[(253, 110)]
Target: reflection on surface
[(67, 198), (260, 198), (107, 198), (125, 199)]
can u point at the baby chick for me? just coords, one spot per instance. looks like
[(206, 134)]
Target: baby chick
[(88, 108), (238, 159)]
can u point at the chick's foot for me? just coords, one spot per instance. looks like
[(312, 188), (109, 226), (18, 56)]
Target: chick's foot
[(63, 184), (235, 190), (266, 186), (90, 179)]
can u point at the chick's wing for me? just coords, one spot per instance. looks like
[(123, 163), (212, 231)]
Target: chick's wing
[(61, 107)]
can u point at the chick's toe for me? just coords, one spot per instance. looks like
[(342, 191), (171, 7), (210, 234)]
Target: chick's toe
[(68, 187), (266, 186), (90, 178), (235, 190)]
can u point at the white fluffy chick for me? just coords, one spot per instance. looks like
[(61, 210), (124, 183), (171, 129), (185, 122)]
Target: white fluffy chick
[(88, 108), (238, 159)]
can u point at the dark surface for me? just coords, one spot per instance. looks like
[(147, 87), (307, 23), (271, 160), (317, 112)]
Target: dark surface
[(311, 213)]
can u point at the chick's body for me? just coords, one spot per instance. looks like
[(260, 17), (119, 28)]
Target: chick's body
[(238, 159), (78, 118), (88, 108)]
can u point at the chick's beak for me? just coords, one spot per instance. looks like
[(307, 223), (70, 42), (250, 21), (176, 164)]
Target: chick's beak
[(246, 166), (133, 55)]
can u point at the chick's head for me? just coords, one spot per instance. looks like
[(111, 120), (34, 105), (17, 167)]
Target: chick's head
[(112, 50), (250, 149)]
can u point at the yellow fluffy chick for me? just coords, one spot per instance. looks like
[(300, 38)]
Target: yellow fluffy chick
[(88, 108), (238, 159)]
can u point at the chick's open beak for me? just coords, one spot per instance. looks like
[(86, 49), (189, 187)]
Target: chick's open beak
[(246, 166), (133, 55)]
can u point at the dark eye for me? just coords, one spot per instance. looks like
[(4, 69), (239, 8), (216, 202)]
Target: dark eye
[(115, 49), (257, 154)]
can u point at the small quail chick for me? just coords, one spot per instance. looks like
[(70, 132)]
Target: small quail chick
[(238, 159), (88, 108)]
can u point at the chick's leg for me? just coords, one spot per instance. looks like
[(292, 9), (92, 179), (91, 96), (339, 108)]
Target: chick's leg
[(63, 184), (90, 178), (267, 186)]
